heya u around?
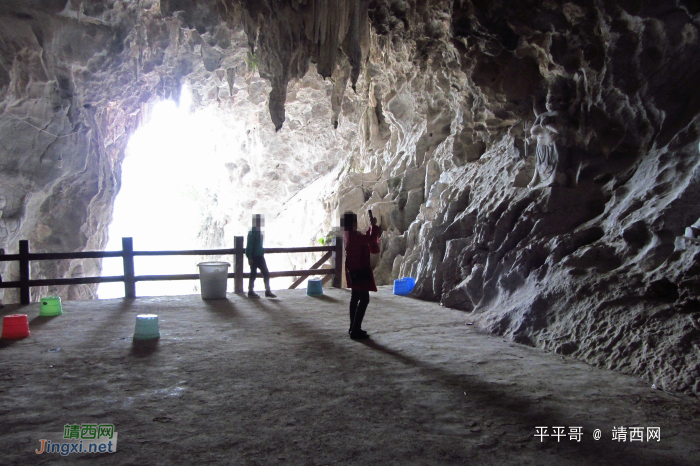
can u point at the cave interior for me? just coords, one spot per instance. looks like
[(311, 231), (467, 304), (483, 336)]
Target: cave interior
[(531, 164)]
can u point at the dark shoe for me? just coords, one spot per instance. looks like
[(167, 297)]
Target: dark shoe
[(270, 294), (253, 294), (359, 335)]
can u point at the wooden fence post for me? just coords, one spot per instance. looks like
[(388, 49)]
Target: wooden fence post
[(24, 294), (337, 262), (238, 264), (128, 257)]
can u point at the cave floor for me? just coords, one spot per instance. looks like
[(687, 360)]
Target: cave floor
[(250, 382)]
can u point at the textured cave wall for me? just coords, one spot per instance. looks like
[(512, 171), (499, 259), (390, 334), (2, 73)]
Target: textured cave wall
[(59, 152), (587, 268), (450, 91), (76, 79), (431, 104)]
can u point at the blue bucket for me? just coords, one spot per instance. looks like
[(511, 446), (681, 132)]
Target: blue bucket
[(403, 286), (314, 287)]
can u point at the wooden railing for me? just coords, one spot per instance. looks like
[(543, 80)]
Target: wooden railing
[(334, 252)]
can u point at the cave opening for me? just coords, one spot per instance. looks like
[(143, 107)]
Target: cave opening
[(183, 160), (159, 170)]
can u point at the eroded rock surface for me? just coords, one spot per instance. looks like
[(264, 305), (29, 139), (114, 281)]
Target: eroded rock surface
[(584, 265), (426, 117)]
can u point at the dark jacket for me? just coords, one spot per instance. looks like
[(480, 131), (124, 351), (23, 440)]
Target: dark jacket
[(357, 265), (254, 244)]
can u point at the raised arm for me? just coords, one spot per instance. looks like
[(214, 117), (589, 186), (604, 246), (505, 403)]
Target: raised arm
[(370, 238)]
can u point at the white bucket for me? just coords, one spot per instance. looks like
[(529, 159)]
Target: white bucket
[(212, 278)]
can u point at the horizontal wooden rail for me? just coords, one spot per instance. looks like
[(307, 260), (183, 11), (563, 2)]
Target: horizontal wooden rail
[(64, 281), (195, 276), (41, 256), (307, 249), (130, 278), (150, 278), (49, 256), (194, 252), (155, 278), (305, 273), (223, 252)]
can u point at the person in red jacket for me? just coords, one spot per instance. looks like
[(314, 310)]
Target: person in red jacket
[(358, 271)]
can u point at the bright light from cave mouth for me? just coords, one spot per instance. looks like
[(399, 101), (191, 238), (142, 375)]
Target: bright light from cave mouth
[(171, 162)]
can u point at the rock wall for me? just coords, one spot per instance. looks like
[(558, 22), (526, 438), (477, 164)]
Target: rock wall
[(585, 265), (62, 136), (426, 111)]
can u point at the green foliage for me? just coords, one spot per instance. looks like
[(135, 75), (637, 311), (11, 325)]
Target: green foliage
[(326, 240), (251, 62)]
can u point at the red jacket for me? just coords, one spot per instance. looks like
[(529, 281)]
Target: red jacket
[(357, 249)]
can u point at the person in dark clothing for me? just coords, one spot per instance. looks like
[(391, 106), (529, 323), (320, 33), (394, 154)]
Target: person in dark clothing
[(256, 258), (358, 271)]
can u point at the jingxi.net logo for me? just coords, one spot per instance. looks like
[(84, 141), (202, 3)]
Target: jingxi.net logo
[(80, 438)]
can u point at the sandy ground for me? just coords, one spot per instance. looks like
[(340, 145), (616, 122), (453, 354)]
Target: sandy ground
[(251, 382)]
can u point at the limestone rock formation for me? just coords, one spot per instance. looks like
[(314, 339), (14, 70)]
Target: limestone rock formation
[(586, 267), (422, 111)]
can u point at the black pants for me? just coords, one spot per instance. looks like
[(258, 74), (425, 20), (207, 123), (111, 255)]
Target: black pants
[(358, 305), (258, 262)]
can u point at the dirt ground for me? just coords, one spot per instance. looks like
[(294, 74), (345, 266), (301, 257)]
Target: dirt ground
[(278, 381)]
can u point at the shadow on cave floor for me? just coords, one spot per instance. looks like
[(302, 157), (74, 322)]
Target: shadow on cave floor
[(279, 381)]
